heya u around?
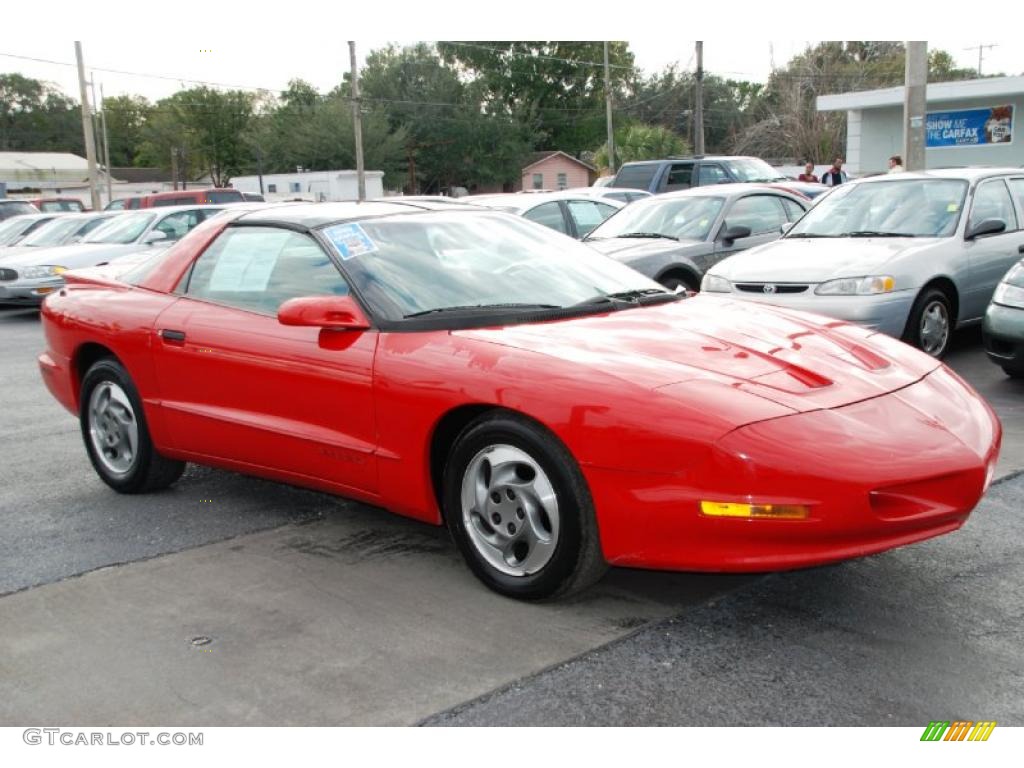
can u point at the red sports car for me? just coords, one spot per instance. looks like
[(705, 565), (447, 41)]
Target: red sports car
[(557, 410)]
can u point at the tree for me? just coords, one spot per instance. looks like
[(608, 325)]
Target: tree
[(126, 123), (557, 88), (206, 127), (642, 142), (35, 116)]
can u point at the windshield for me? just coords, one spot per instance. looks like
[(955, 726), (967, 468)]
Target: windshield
[(897, 208), (751, 169), (14, 228), (680, 218), (125, 228), (405, 265), (55, 232)]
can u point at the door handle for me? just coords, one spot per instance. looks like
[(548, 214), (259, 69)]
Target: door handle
[(168, 335)]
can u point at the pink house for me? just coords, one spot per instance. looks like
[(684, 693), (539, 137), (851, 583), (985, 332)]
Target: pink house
[(556, 170)]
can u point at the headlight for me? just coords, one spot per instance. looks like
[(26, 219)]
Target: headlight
[(33, 273), (715, 284), (1009, 295), (857, 286)]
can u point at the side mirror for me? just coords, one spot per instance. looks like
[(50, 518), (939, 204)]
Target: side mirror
[(735, 232), (986, 227), (334, 312), (154, 237), (786, 227)]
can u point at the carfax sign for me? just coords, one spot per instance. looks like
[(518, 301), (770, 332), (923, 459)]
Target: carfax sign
[(970, 127)]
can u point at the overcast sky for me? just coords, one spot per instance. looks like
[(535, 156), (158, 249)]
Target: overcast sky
[(264, 44)]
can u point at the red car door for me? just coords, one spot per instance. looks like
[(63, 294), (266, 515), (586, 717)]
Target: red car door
[(238, 386)]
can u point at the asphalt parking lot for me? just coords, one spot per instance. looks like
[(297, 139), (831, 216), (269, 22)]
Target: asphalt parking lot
[(307, 609)]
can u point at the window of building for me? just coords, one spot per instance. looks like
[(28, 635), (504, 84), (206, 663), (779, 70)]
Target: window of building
[(538, 181), (563, 181), (271, 187), (296, 186)]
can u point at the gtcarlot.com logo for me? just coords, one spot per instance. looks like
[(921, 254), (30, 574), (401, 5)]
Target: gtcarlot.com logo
[(67, 738), (958, 730)]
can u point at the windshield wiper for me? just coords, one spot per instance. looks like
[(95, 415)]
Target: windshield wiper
[(471, 307), (873, 233), (809, 234), (648, 234), (629, 297)]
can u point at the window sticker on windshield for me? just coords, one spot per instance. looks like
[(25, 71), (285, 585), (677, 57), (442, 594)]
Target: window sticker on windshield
[(350, 240), (952, 208)]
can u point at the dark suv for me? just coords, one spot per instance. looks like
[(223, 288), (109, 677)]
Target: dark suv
[(676, 173)]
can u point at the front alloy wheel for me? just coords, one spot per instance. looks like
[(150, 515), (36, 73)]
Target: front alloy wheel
[(935, 328)]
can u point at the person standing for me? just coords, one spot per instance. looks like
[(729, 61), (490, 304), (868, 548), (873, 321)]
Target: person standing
[(895, 164), (808, 174), (835, 175)]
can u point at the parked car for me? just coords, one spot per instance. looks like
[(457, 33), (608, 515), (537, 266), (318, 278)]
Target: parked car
[(124, 204), (58, 204), (15, 229), (557, 410), (914, 255), (60, 230), (213, 196), (674, 238), (11, 208), (571, 214), (31, 275), (678, 173), (1003, 327)]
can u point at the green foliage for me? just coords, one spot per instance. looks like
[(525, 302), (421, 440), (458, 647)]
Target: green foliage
[(642, 142), (126, 123), (35, 116)]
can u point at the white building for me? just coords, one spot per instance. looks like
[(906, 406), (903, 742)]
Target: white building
[(312, 185), (969, 122)]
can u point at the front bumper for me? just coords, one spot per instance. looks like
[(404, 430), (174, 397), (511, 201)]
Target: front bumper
[(1003, 334), (876, 474), (886, 312), (29, 292)]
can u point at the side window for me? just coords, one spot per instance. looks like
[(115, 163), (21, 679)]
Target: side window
[(177, 225), (762, 213), (588, 215), (548, 214), (992, 201), (793, 210), (538, 181), (710, 174), (259, 268), (680, 176)]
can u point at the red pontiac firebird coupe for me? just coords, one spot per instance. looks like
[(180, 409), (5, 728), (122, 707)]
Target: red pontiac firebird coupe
[(557, 410)]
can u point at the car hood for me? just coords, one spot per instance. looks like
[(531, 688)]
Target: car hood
[(814, 260), (72, 256), (800, 361), (633, 248)]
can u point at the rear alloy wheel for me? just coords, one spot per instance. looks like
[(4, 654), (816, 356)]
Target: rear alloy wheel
[(519, 510), (116, 435), (930, 324)]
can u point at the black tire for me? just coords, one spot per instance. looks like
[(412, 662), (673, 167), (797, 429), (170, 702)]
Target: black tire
[(674, 281), (576, 561), (927, 301), (148, 470)]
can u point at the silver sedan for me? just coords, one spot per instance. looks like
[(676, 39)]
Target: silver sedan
[(913, 255)]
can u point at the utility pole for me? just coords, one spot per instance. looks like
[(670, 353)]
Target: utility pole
[(698, 95), (981, 53), (915, 106), (90, 146), (357, 118), (106, 146), (608, 109)]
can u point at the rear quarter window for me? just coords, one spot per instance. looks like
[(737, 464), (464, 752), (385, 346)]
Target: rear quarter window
[(635, 176)]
